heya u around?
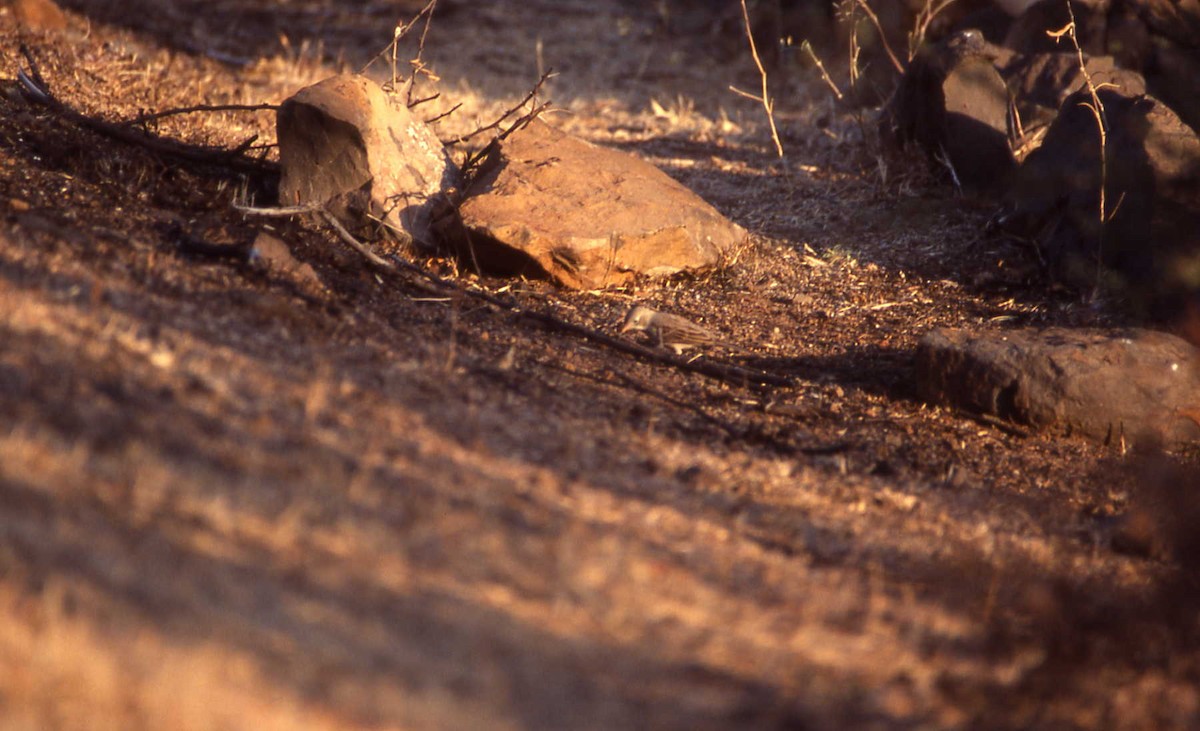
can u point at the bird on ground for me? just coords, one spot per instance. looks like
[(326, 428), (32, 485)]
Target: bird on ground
[(669, 331)]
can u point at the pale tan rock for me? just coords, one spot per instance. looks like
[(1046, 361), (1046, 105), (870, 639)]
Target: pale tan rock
[(42, 15), (546, 204), (344, 137)]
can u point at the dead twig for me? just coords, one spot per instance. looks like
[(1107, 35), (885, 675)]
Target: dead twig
[(390, 266), (765, 99), (444, 114), (508, 113), (417, 63), (930, 10), (1004, 425), (887, 47), (424, 100), (470, 166), (1096, 107), (807, 48), (726, 372), (142, 119), (355, 244), (279, 212), (391, 50)]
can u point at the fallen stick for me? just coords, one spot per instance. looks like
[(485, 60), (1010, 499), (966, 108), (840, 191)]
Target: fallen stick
[(38, 91), (713, 369)]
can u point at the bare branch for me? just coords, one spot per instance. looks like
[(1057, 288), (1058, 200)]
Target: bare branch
[(417, 64), (887, 47), (812, 55), (1097, 109), (746, 94), (444, 114), (500, 120), (38, 91), (713, 369), (762, 72), (141, 119), (281, 212), (930, 10)]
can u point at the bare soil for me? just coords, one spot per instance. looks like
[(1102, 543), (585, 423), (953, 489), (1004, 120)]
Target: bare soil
[(229, 501)]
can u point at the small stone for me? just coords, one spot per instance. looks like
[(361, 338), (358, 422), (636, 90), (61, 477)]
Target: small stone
[(1106, 385), (276, 257), (549, 205)]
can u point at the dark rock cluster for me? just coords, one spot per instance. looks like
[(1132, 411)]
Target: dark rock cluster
[(1091, 151), (1079, 121)]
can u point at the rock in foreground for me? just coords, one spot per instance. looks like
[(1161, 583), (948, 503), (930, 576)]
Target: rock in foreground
[(1104, 385), (343, 140), (546, 204)]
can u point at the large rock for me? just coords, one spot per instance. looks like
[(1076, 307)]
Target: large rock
[(545, 204), (1104, 385), (344, 141)]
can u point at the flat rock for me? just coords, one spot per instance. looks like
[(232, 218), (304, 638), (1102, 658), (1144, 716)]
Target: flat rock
[(345, 141), (548, 205), (1106, 385)]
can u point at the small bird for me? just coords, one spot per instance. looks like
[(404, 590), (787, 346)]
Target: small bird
[(669, 331)]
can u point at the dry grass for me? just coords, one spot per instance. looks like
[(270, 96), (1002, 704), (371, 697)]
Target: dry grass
[(224, 503)]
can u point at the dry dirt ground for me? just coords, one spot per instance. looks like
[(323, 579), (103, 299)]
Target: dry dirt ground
[(227, 502)]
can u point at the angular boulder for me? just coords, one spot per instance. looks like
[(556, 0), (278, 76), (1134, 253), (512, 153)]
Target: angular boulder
[(1106, 385), (545, 204), (345, 141), (953, 104)]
